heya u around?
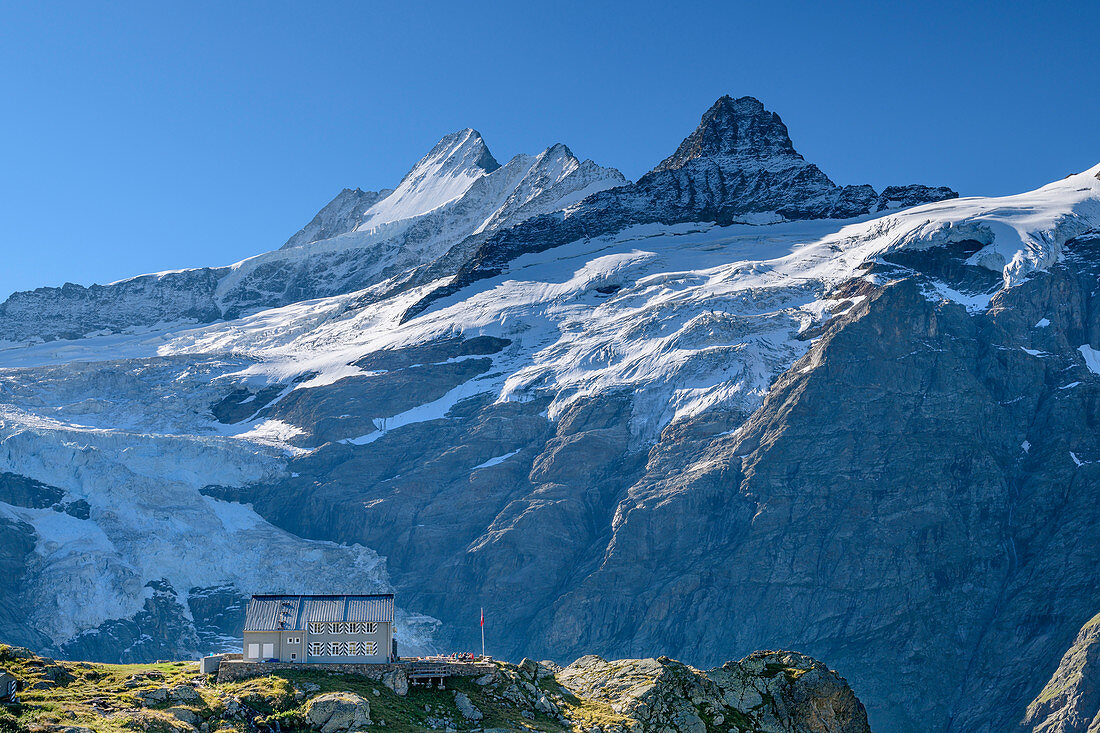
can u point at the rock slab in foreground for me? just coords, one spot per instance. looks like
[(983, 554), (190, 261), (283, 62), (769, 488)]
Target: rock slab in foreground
[(766, 691)]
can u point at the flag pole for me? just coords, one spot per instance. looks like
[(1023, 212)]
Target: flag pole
[(483, 631)]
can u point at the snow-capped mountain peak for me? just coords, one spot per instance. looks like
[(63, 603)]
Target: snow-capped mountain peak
[(441, 176)]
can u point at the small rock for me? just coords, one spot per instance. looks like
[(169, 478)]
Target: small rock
[(486, 679), (154, 696), (184, 714), (466, 707), (376, 693), (56, 673), (547, 668)]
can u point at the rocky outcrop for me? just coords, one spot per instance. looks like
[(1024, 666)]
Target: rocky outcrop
[(17, 541), (73, 311), (767, 692), (466, 707), (158, 631), (1070, 701)]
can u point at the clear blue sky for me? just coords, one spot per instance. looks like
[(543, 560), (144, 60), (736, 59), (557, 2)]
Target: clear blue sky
[(145, 136)]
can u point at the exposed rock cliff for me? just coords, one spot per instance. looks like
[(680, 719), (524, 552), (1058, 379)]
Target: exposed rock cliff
[(1070, 701)]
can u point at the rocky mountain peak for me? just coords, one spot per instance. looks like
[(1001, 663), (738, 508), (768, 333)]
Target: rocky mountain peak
[(462, 149), (740, 129), (441, 176)]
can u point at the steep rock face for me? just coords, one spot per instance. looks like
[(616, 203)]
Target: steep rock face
[(17, 541), (73, 311), (931, 463), (1070, 701), (900, 197), (339, 216)]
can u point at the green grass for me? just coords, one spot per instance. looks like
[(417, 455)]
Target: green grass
[(400, 713), (106, 698)]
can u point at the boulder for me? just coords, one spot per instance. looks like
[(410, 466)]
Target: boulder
[(547, 668), (338, 711), (466, 707), (528, 668), (57, 673), (184, 694), (397, 680), (153, 696), (19, 652)]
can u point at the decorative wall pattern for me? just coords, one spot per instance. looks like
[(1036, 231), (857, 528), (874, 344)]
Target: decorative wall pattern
[(342, 648), (342, 627)]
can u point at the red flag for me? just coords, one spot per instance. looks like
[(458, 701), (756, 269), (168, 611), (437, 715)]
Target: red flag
[(483, 617)]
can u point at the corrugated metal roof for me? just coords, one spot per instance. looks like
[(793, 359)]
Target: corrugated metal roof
[(278, 612)]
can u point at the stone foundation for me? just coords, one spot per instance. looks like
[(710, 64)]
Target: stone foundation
[(231, 670)]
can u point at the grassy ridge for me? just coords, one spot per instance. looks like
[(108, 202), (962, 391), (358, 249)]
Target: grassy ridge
[(82, 697)]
